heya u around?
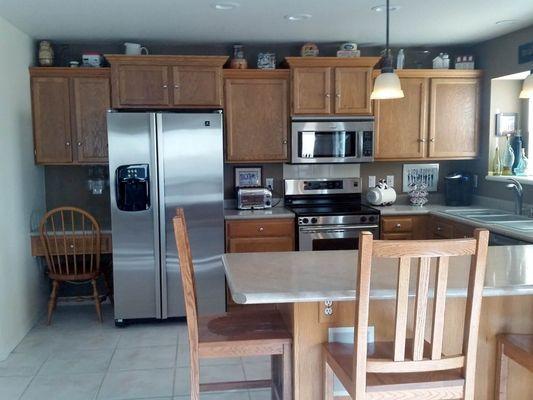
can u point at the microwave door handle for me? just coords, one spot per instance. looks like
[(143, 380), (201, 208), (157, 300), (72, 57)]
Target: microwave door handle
[(360, 135), (316, 229)]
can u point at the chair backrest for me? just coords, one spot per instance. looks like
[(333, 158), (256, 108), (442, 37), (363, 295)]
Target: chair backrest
[(187, 277), (417, 360), (71, 239)]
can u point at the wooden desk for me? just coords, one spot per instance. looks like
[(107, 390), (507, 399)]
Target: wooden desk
[(37, 248)]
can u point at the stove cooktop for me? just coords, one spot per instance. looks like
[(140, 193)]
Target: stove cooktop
[(333, 209)]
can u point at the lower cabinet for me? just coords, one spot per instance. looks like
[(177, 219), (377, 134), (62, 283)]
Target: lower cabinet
[(420, 227), (258, 235)]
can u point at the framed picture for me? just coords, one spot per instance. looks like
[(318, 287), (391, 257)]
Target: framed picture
[(506, 124), (248, 176), (423, 173)]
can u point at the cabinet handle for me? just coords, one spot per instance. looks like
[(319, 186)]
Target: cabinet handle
[(260, 229), (328, 95), (67, 144)]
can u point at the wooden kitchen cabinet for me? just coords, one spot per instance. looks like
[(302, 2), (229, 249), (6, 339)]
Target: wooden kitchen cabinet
[(401, 124), (454, 118), (437, 119), (331, 85), (404, 227), (69, 109), (257, 107), (166, 81)]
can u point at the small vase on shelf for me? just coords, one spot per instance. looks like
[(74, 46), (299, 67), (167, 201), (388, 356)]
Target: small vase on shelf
[(507, 159), (521, 167), (496, 163)]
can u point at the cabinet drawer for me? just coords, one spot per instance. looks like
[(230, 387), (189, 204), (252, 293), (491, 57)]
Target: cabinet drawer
[(396, 224), (258, 245), (397, 236), (441, 228), (260, 228)]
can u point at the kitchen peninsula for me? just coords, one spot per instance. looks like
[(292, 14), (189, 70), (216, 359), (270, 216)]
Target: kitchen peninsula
[(301, 282)]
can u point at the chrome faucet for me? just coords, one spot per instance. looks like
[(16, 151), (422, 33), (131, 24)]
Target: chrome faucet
[(519, 193)]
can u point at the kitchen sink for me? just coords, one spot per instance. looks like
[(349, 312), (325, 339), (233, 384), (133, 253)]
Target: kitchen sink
[(506, 218), (478, 213), (519, 225)]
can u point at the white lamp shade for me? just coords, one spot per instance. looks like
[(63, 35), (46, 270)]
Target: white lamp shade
[(527, 88), (387, 86)]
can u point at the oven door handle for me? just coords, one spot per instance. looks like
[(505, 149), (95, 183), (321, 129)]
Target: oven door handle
[(336, 228)]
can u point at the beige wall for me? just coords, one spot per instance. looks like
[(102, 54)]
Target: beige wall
[(497, 57), (22, 287)]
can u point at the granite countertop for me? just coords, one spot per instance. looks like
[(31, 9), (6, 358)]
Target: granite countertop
[(398, 209), (305, 276), (275, 212)]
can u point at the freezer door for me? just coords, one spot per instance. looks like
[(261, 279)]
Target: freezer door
[(134, 214), (192, 172)]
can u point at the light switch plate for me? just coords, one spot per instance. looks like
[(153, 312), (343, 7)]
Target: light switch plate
[(269, 183), (390, 180), (371, 181)]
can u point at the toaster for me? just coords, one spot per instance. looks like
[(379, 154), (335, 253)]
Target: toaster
[(253, 198)]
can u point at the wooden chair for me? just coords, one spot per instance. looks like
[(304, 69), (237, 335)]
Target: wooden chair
[(411, 368), (239, 334), (71, 238), (518, 348)]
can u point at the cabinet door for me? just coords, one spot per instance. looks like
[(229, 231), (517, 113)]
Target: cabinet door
[(51, 120), (257, 119), (454, 118), (311, 90), (265, 244), (352, 90), (141, 85), (91, 102), (401, 124), (197, 86)]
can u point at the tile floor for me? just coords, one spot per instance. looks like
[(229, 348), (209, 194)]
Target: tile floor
[(77, 358)]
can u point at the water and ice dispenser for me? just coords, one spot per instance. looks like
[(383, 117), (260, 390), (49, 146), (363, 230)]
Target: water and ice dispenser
[(133, 187)]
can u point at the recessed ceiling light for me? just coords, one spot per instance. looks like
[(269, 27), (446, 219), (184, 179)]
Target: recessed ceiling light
[(506, 22), (225, 6), (383, 7), (298, 17)]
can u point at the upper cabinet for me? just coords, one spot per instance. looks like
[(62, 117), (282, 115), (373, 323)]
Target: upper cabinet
[(331, 85), (69, 115), (166, 81), (437, 119), (257, 108)]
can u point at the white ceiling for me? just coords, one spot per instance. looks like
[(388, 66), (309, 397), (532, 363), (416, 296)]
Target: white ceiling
[(418, 22)]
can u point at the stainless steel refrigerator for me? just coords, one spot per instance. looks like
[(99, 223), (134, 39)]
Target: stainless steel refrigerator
[(157, 162)]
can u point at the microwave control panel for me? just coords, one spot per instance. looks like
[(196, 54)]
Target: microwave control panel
[(368, 144)]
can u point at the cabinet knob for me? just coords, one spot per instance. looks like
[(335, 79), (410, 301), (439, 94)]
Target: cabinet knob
[(71, 246), (67, 144), (398, 225), (432, 139), (164, 86), (79, 143), (328, 95), (284, 141), (338, 96), (422, 140), (439, 228), (260, 229), (176, 86)]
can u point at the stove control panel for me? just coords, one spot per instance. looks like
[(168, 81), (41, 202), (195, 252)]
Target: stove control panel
[(339, 220)]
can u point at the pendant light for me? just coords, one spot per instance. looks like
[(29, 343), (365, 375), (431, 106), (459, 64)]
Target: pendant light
[(527, 87), (387, 85)]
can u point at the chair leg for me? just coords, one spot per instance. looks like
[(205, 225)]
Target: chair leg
[(287, 372), (52, 301), (328, 381), (195, 377), (96, 297), (502, 365), (107, 283)]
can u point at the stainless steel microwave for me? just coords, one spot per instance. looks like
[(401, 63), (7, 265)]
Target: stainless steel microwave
[(332, 140)]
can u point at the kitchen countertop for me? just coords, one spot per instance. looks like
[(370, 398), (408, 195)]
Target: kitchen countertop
[(275, 212), (306, 276), (440, 210)]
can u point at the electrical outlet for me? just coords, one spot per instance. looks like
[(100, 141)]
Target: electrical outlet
[(390, 180), (269, 183), (371, 181)]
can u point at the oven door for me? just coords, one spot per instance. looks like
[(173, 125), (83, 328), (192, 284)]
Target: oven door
[(331, 142), (333, 237)]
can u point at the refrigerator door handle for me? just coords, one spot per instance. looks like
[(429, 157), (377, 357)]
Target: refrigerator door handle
[(156, 206), (162, 215)]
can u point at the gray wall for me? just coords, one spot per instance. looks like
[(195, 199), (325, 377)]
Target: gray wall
[(497, 57)]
